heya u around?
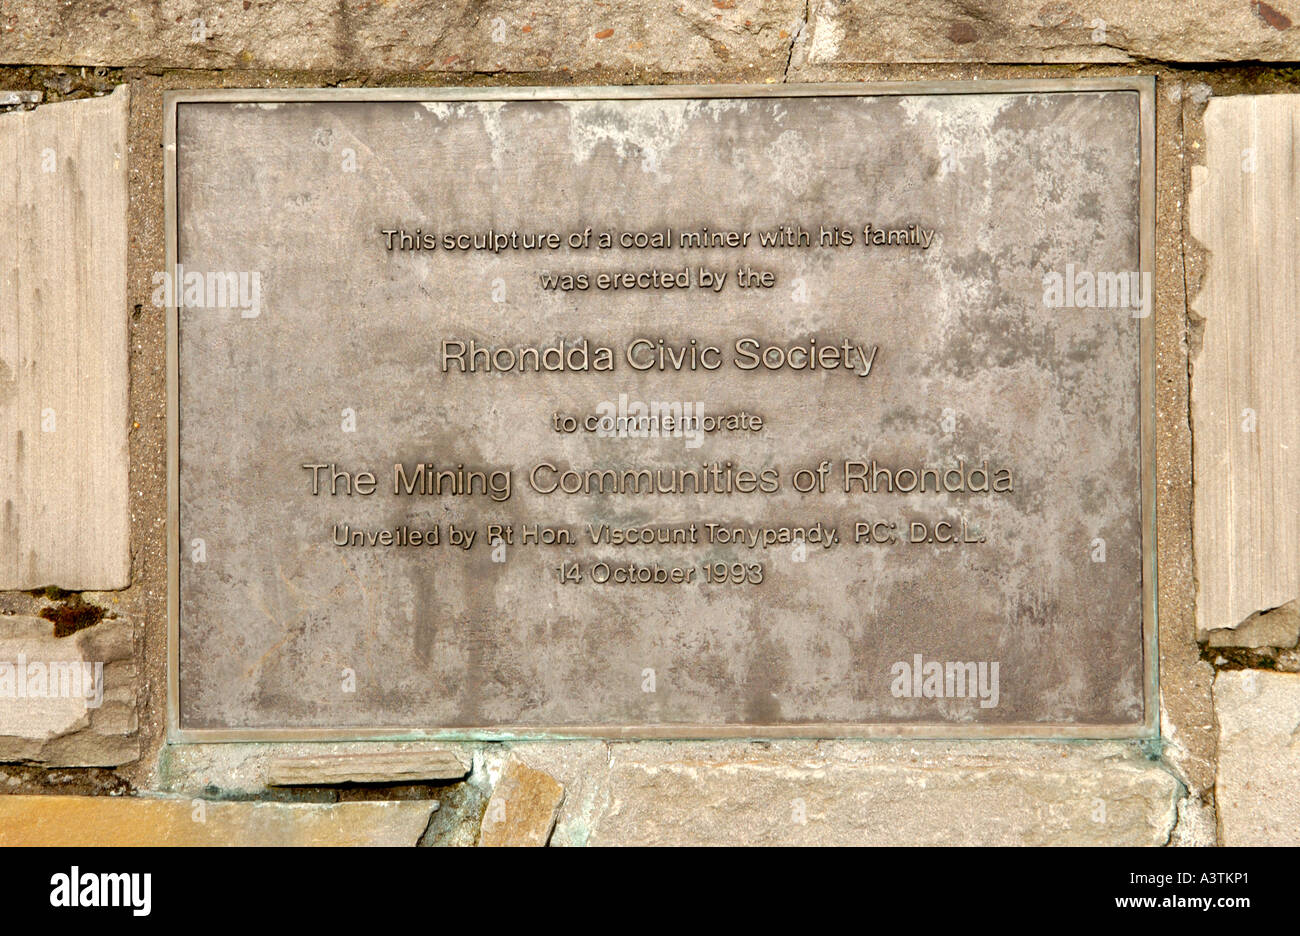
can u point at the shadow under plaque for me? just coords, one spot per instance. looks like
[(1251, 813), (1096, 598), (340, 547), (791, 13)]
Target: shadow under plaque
[(812, 411)]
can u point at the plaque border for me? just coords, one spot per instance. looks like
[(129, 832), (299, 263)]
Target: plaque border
[(1148, 727)]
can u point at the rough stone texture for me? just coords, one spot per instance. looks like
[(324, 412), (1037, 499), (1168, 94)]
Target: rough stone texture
[(148, 444), (243, 769), (68, 721), (582, 767), (522, 809), (1186, 714), (1196, 826), (739, 39), (1245, 382), (26, 99), (886, 794), (746, 39), (877, 792), (369, 767), (917, 792), (130, 821), (1258, 786), (1277, 628), (63, 346), (459, 817), (1032, 31)]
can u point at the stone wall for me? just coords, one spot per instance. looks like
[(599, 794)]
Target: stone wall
[(83, 561)]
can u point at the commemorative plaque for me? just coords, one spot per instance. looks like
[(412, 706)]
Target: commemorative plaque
[(673, 412)]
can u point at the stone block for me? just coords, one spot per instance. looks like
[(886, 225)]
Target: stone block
[(522, 809), (366, 767), (1245, 384), (64, 413), (744, 39), (67, 701), (83, 821), (1030, 31), (1258, 786), (890, 794)]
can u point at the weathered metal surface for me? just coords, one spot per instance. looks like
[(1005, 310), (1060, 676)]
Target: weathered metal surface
[(967, 355)]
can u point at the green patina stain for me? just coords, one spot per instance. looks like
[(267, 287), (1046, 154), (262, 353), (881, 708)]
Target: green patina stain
[(1152, 748)]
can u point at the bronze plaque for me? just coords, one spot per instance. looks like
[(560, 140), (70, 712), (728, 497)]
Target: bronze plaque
[(661, 412)]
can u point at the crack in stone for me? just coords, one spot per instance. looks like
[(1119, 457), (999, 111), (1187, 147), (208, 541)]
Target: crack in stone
[(795, 33)]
